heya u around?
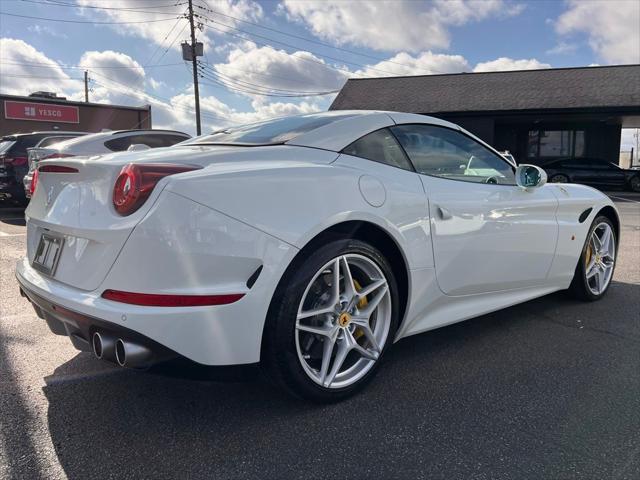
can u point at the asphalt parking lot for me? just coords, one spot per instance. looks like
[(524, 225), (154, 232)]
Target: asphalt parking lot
[(547, 389)]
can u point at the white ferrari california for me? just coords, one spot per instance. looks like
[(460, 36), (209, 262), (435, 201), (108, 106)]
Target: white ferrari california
[(307, 244)]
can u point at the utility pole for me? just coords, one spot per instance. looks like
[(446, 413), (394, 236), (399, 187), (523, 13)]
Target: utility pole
[(86, 86), (194, 62)]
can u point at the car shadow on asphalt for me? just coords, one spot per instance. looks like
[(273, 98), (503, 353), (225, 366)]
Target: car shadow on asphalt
[(12, 216), (533, 388)]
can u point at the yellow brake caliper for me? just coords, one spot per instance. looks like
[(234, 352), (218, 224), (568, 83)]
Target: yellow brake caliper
[(361, 304), (588, 257)]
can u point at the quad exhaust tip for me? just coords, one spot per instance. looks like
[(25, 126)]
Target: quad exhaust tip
[(132, 355), (103, 347)]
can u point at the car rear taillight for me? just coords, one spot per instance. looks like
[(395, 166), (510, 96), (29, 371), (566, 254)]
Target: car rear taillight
[(48, 169), (57, 169), (57, 155), (34, 182), (136, 182), (16, 161)]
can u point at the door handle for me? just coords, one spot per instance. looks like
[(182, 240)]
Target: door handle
[(444, 214)]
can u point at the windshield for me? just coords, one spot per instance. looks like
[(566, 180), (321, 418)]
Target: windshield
[(5, 145), (270, 132)]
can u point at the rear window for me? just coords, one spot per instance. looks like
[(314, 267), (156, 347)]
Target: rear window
[(270, 132)]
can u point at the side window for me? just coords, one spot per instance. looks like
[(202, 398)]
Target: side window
[(119, 144), (380, 146), (446, 153), (150, 140), (169, 140)]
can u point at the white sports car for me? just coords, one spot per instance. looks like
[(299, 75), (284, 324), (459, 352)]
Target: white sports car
[(307, 244)]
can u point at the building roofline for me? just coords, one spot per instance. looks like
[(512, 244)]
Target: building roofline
[(5, 96), (591, 67)]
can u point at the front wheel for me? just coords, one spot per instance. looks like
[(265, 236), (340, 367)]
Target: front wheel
[(332, 319), (597, 262), (634, 184)]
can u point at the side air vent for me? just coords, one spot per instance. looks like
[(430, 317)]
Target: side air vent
[(254, 276), (584, 215)]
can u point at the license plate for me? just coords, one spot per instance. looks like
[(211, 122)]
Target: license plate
[(48, 254)]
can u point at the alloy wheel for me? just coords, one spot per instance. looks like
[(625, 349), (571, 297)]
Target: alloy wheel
[(343, 321), (600, 258)]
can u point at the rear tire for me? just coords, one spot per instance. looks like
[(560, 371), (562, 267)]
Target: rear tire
[(597, 262), (634, 184), (362, 324)]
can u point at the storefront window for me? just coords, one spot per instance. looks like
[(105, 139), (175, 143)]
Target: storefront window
[(555, 143)]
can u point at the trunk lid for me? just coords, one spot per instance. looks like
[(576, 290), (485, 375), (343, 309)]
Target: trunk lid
[(79, 208)]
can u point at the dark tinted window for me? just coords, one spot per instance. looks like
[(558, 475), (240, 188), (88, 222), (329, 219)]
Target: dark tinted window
[(119, 144), (271, 132), (447, 153), (380, 146), (152, 140)]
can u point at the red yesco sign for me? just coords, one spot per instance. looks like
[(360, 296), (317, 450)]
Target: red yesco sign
[(43, 112)]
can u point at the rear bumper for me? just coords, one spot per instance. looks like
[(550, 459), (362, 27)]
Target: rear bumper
[(180, 248), (218, 335), (80, 327)]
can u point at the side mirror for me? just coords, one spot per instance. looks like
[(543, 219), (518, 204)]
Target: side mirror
[(530, 176)]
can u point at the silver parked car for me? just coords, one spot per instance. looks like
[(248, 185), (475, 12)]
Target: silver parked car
[(100, 144)]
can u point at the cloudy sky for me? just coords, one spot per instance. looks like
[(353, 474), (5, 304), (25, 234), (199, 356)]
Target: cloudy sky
[(272, 58)]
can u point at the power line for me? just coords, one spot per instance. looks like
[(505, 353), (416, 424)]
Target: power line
[(54, 3), (264, 89), (82, 21), (173, 42), (39, 76), (246, 90), (83, 67), (122, 9), (327, 66), (162, 43), (294, 47), (310, 40), (154, 97)]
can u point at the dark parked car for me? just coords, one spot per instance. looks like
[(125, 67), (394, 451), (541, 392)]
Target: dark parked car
[(592, 171), (14, 164)]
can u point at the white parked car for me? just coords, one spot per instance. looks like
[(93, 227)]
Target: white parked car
[(309, 244), (100, 144)]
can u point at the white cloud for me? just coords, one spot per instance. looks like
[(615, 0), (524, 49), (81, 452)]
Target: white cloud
[(25, 70), (44, 30), (248, 65), (505, 63), (562, 48), (392, 25), (426, 63), (178, 114), (111, 67), (125, 86), (612, 26)]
